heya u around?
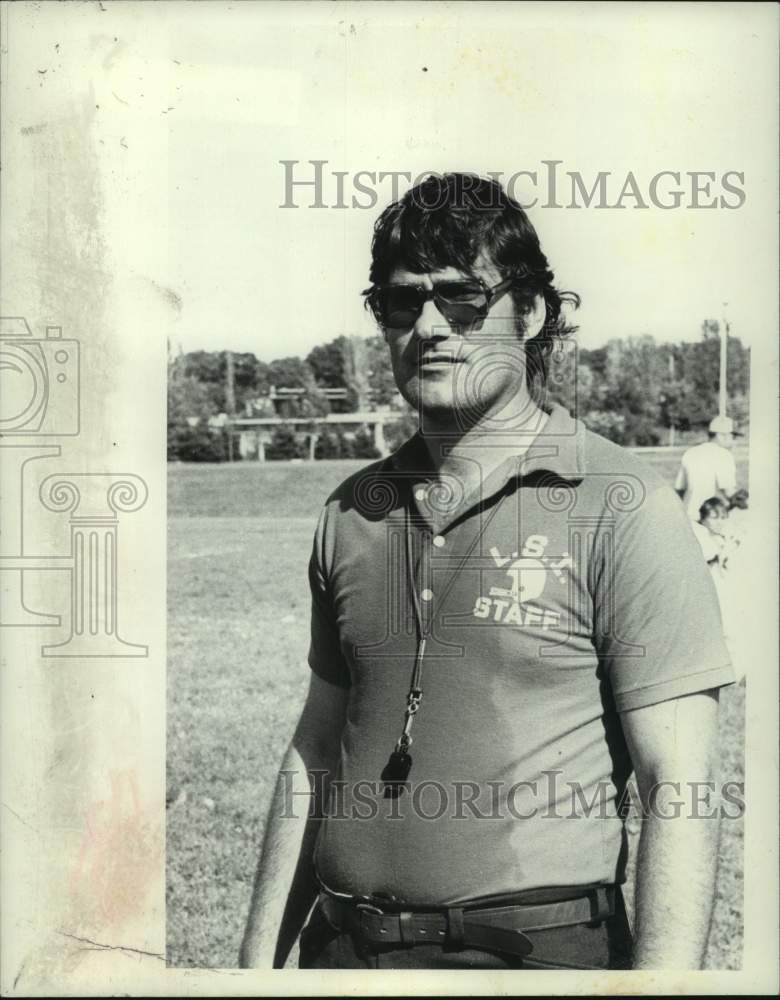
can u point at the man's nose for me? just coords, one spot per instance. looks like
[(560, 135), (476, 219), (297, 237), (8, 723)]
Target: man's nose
[(430, 324)]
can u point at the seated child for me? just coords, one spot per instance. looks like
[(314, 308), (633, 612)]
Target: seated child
[(710, 531)]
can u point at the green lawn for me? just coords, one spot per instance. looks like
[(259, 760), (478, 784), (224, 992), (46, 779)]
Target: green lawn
[(238, 545)]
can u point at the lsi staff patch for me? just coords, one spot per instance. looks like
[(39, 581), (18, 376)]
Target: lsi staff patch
[(528, 571)]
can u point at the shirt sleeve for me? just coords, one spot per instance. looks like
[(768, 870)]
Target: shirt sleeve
[(325, 656), (681, 482), (657, 623)]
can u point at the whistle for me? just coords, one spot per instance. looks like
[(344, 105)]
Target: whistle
[(395, 773)]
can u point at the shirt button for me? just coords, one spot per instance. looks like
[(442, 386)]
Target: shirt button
[(427, 595), (438, 541), (419, 494)]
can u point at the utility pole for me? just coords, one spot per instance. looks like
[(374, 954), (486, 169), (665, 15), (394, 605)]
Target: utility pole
[(230, 384), (230, 398), (355, 368), (724, 346)]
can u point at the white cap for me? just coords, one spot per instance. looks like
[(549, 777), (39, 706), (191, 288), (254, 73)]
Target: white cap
[(722, 425)]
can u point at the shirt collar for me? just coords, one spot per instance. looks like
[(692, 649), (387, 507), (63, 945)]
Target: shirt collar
[(558, 448)]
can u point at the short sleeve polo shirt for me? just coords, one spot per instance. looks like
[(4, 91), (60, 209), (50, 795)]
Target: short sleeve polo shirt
[(704, 470), (566, 589)]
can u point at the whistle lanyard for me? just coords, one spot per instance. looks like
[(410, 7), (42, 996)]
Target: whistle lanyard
[(399, 764), (423, 628)]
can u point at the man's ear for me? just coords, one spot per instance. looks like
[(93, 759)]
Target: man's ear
[(535, 318)]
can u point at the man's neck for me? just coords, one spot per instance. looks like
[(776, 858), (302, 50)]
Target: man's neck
[(472, 453)]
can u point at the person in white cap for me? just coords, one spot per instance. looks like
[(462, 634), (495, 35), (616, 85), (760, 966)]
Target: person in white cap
[(708, 469)]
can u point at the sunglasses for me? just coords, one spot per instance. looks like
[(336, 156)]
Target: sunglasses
[(462, 303)]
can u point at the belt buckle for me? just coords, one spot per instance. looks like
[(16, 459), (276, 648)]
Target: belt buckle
[(364, 908), (369, 908), (365, 940)]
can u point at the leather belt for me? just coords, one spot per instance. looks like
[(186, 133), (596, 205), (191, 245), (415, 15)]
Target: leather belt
[(501, 928)]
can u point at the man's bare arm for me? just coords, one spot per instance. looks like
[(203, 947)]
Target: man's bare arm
[(673, 746), (285, 886), (681, 482)]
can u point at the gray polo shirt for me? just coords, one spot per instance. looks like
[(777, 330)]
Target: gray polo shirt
[(566, 589)]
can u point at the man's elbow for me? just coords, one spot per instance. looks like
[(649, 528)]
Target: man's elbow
[(677, 788), (318, 748)]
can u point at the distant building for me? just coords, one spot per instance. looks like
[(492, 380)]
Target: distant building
[(255, 433)]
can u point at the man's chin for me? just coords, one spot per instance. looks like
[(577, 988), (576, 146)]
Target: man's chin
[(442, 410)]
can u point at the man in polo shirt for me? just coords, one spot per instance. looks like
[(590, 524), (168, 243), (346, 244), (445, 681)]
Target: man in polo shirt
[(708, 469), (509, 615)]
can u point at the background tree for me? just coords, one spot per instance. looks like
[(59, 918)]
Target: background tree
[(190, 405), (285, 444), (210, 369), (379, 372), (327, 362), (634, 375), (700, 372), (290, 373), (355, 373), (294, 373), (342, 364), (631, 390)]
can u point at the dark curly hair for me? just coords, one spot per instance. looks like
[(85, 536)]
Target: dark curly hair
[(716, 506), (451, 220)]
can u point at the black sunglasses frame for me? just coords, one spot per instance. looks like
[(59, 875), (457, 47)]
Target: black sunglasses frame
[(447, 308)]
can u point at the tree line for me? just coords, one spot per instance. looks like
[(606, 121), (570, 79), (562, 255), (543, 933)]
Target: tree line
[(633, 390)]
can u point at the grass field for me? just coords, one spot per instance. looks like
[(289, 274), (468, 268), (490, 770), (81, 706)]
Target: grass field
[(238, 546)]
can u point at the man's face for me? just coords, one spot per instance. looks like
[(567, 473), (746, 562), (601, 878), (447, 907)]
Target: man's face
[(454, 380), (725, 440)]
